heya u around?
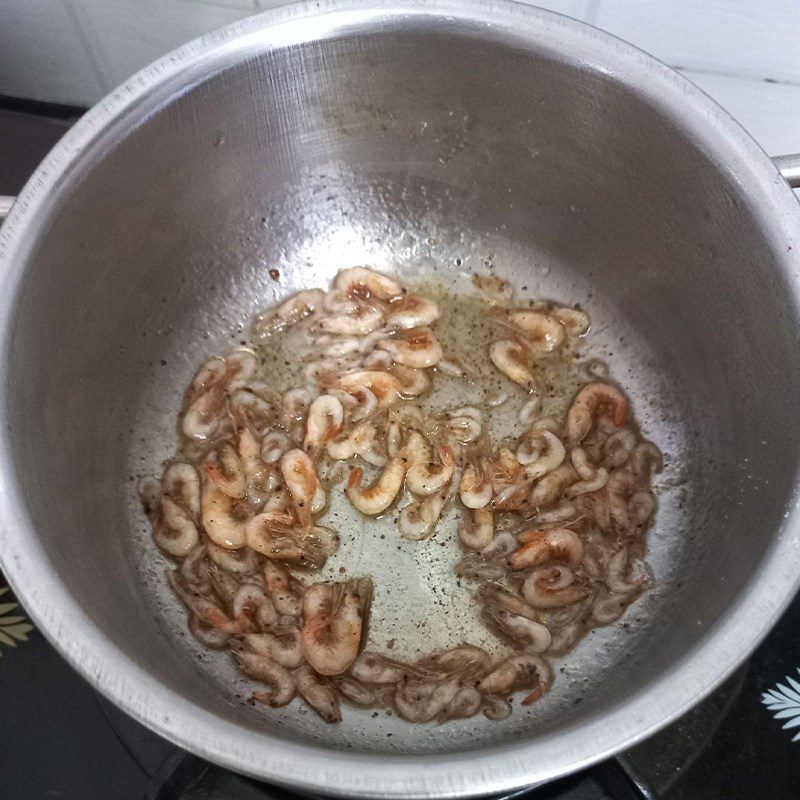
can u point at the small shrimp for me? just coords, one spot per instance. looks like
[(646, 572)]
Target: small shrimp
[(301, 479), (530, 410), (411, 382), (561, 513), (277, 678), (181, 483), (274, 445), (519, 672), (175, 531), (542, 332), (646, 459), (288, 313), (365, 319), (384, 385), (537, 547), (498, 596), (412, 311), (239, 562), (423, 701), (464, 423), (496, 708), (333, 618), (466, 703), (417, 348), (641, 507), (426, 478), (575, 321), (502, 545), (511, 358), (205, 414), (565, 638), (318, 694), (474, 489), (337, 301), (588, 403), (540, 451), (417, 520), (464, 662), (618, 447), (284, 589), (282, 648), (452, 367), (207, 635), (520, 629), (377, 668), (617, 571), (376, 498), (593, 478), (609, 607), (366, 283), (223, 519), (324, 421), (204, 609), (378, 359), (227, 471), (493, 289), (274, 535), (477, 531), (355, 692), (551, 587), (210, 373), (550, 488), (250, 600)]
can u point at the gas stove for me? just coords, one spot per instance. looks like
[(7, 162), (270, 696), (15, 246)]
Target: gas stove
[(61, 739)]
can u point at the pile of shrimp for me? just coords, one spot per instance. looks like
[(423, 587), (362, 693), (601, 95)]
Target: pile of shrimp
[(553, 524)]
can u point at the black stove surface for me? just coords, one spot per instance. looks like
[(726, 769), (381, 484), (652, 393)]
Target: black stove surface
[(59, 739)]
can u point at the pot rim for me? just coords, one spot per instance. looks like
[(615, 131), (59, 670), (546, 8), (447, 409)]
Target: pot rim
[(308, 767)]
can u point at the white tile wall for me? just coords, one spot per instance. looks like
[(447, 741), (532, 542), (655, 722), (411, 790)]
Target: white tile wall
[(744, 53)]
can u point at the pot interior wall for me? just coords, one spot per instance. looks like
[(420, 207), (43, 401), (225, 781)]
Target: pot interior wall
[(429, 149)]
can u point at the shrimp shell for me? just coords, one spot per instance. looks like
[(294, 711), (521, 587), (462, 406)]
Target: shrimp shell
[(277, 678)]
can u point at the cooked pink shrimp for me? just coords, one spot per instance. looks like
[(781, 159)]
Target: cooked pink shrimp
[(285, 590), (175, 531), (609, 607), (425, 478), (301, 479), (205, 414), (239, 562), (464, 424), (521, 629), (540, 546), (417, 348), (411, 382), (364, 319), (477, 531), (283, 648), (366, 283), (355, 692), (550, 488), (512, 359), (324, 421), (288, 313), (417, 520), (519, 672), (619, 574), (588, 403), (474, 489), (224, 520), (540, 332), (182, 484), (227, 471), (377, 668), (464, 662), (376, 498), (500, 597), (551, 587), (251, 601), (275, 535), (384, 385), (575, 321), (618, 447), (204, 609), (262, 669), (422, 700), (333, 618), (540, 451), (451, 366), (412, 311), (318, 693)]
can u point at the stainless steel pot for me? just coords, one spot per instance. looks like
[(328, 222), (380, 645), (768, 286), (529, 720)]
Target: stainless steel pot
[(442, 136)]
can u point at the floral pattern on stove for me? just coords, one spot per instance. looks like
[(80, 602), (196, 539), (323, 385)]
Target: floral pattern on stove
[(13, 628), (784, 702)]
